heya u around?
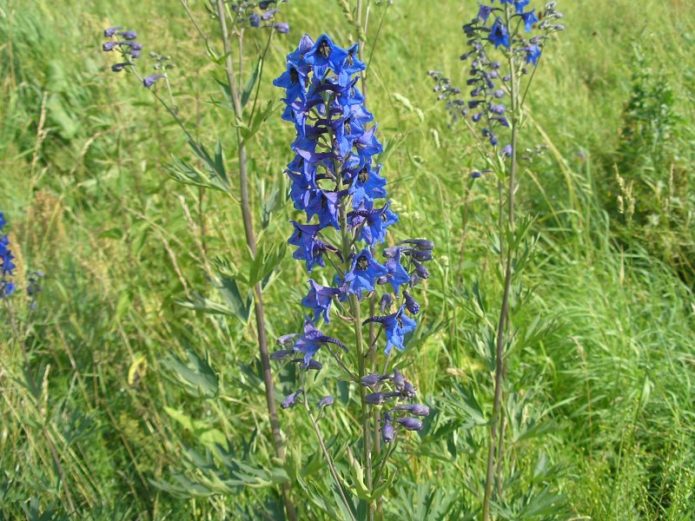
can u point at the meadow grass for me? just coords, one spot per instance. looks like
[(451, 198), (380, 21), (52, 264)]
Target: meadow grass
[(97, 422)]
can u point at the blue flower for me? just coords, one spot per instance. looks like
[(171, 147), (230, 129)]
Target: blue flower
[(319, 300), (397, 325), (325, 205), (7, 265), (309, 248), (484, 13), (397, 275), (373, 222), (311, 341), (520, 5), (325, 55), (529, 19), (366, 186), (533, 54), (499, 35), (363, 273)]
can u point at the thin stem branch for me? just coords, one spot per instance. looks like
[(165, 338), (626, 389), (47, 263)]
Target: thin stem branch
[(251, 243), (329, 460), (502, 325)]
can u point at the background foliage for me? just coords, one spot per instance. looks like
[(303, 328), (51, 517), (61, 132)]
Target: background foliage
[(118, 403)]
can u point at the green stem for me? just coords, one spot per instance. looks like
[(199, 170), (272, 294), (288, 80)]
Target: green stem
[(327, 455), (502, 325), (360, 353), (251, 243)]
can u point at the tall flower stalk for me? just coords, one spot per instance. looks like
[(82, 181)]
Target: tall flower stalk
[(506, 42), (336, 183), (242, 14), (7, 265)]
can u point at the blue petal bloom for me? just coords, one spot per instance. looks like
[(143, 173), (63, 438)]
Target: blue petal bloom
[(7, 265), (397, 325), (351, 65), (529, 19), (397, 274), (363, 273), (309, 248), (293, 81), (311, 341), (325, 205), (366, 186), (325, 55), (533, 54), (499, 35), (319, 299), (374, 222), (484, 13), (520, 5)]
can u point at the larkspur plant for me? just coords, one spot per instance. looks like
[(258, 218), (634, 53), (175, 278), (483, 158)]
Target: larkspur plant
[(242, 15), (505, 42), (337, 183), (7, 265)]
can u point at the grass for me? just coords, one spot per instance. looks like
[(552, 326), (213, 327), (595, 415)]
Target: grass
[(99, 424)]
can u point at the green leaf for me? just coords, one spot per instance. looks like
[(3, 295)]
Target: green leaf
[(265, 263), (248, 89), (229, 290), (196, 375), (248, 131)]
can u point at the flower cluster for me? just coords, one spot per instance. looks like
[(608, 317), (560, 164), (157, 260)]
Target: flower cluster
[(509, 28), (125, 43), (259, 14), (337, 183), (7, 265), (404, 415)]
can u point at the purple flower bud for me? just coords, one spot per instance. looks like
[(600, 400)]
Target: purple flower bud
[(291, 400), (135, 54), (108, 33), (370, 380), (385, 303), (282, 27), (476, 174), (388, 433), (326, 401), (118, 67), (129, 35), (410, 303), (265, 4), (499, 93), (398, 379), (379, 398), (282, 353), (507, 151), (411, 424), (268, 15), (421, 271), (497, 108), (408, 390), (286, 340), (108, 46), (375, 398), (417, 409), (255, 20), (477, 117), (151, 80), (421, 244), (313, 364)]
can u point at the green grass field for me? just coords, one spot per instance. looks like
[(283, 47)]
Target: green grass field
[(98, 415)]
